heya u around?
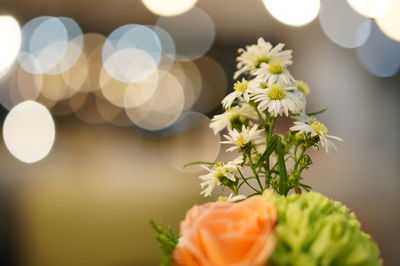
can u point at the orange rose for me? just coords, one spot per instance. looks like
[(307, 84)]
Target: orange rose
[(224, 233)]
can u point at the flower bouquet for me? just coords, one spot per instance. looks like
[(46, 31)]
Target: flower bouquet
[(279, 222)]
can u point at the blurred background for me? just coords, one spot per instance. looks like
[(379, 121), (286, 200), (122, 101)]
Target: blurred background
[(120, 94)]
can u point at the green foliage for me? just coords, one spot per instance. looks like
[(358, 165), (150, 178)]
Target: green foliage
[(167, 241), (317, 112), (315, 230)]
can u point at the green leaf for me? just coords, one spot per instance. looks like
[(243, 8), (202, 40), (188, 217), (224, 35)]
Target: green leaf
[(197, 163), (306, 187), (283, 179), (167, 241), (317, 112), (273, 141)]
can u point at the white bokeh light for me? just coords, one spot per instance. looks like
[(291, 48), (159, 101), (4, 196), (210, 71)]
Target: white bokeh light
[(163, 108), (343, 25), (293, 12), (167, 47), (29, 131), (10, 35), (74, 46), (371, 8), (170, 7), (380, 55), (390, 23), (132, 53), (193, 33), (44, 44)]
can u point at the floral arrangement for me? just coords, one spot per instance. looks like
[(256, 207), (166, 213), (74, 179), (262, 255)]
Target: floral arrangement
[(269, 226)]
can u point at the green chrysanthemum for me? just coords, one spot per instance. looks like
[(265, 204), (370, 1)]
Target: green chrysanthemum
[(315, 230)]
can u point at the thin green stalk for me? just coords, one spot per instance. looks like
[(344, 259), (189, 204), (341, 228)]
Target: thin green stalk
[(259, 114), (295, 152), (241, 183), (303, 150), (271, 127), (267, 173), (254, 171), (267, 166), (244, 179)]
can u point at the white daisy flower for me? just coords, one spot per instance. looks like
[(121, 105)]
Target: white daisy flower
[(240, 89), (215, 174), (278, 100), (231, 198), (255, 84), (241, 139), (262, 52), (274, 72), (315, 128), (221, 121)]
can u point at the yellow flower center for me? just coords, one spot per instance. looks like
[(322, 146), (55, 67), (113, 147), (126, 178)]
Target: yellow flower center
[(219, 172), (276, 67), (303, 87), (240, 86), (276, 92), (240, 141), (319, 128)]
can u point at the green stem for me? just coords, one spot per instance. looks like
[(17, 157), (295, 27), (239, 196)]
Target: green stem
[(254, 171), (303, 150), (259, 114), (267, 173), (247, 183), (241, 183), (295, 152), (267, 166), (271, 127)]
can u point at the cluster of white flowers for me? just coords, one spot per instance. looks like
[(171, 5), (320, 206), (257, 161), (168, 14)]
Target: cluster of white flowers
[(271, 84), (217, 173), (315, 128), (266, 91)]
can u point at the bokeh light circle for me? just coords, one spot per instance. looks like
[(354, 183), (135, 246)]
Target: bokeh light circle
[(124, 94), (380, 55), (371, 8), (193, 140), (74, 46), (193, 33), (190, 77), (390, 22), (163, 108), (19, 86), (293, 12), (29, 131), (168, 48), (88, 111), (343, 25), (130, 65), (10, 34), (170, 7), (214, 85), (93, 45), (54, 87), (131, 53), (44, 44)]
